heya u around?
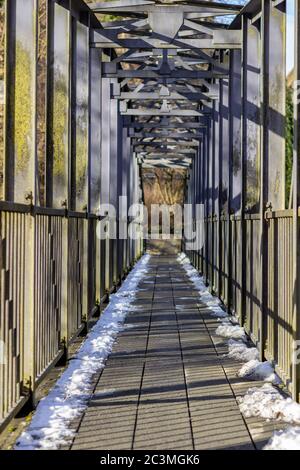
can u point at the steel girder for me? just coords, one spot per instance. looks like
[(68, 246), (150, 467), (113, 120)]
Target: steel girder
[(166, 60)]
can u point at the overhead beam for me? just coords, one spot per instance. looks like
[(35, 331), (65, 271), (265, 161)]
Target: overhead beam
[(153, 125), (158, 96), (160, 147), (169, 135), (170, 151), (159, 112), (134, 6), (233, 42), (164, 163), (156, 74), (162, 142)]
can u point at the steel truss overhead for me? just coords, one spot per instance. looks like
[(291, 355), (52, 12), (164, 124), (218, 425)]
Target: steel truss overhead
[(165, 61)]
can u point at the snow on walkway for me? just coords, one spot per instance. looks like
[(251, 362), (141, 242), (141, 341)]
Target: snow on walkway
[(253, 369), (267, 401), (50, 427)]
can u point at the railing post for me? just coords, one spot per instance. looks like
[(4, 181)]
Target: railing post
[(85, 290), (29, 297), (244, 168), (296, 220), (206, 202), (215, 167), (265, 33), (105, 169), (64, 283), (95, 158), (22, 162), (219, 212)]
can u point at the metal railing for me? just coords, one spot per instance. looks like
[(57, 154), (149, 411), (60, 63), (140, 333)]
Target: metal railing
[(235, 278), (246, 175), (55, 169), (279, 326), (52, 276)]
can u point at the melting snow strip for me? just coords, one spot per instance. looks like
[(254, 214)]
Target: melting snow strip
[(287, 439), (267, 401), (229, 329), (50, 427)]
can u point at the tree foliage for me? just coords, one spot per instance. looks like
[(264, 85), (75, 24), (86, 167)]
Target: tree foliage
[(105, 18)]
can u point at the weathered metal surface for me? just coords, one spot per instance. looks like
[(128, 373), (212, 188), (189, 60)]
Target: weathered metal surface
[(279, 325), (224, 275), (95, 132), (276, 111), (217, 195), (253, 117), (60, 113), (12, 309), (47, 301), (235, 162), (296, 201), (21, 97), (236, 268), (82, 116), (75, 275), (44, 13), (105, 170), (114, 170), (3, 83), (253, 290), (93, 266)]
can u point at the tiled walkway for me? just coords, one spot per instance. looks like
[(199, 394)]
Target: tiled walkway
[(167, 385)]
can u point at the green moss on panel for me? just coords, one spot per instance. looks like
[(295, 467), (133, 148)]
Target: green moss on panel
[(105, 18), (60, 125), (275, 90), (23, 106), (253, 171), (81, 150), (289, 139)]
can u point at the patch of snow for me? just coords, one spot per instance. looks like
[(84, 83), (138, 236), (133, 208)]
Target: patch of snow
[(230, 325), (234, 320), (50, 425), (256, 370), (287, 439), (239, 351), (208, 298), (267, 402), (228, 330), (205, 295), (218, 312)]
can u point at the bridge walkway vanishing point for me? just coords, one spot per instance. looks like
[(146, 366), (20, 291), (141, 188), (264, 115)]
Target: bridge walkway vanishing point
[(166, 384)]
